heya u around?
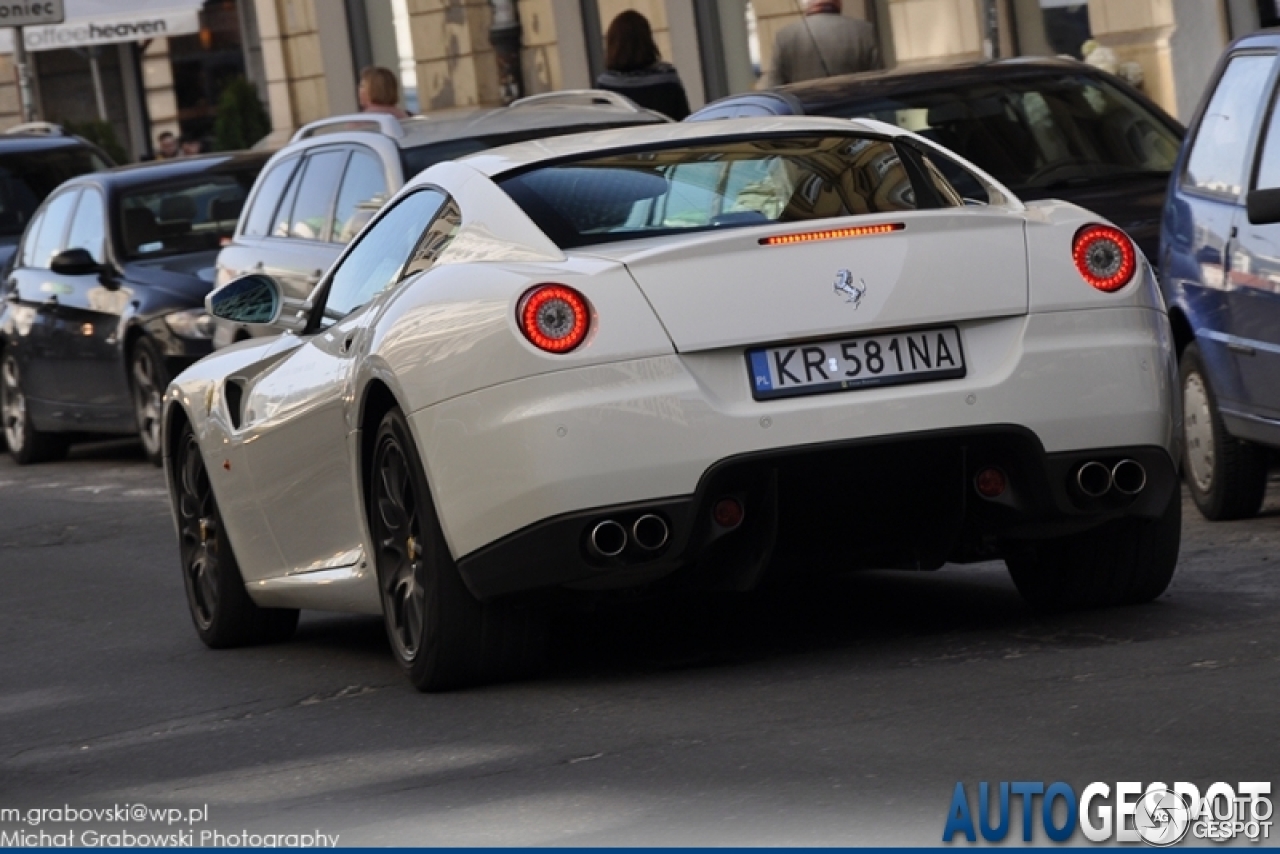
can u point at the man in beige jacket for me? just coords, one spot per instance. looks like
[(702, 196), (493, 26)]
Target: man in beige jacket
[(821, 44)]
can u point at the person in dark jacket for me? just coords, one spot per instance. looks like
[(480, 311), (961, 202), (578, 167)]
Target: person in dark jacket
[(636, 70)]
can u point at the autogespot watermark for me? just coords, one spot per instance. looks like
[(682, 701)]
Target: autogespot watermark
[(1157, 814), (138, 826)]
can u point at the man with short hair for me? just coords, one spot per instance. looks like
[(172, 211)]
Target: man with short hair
[(167, 146), (823, 43)]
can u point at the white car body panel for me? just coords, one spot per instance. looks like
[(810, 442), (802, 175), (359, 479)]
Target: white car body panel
[(721, 289), (510, 455), (659, 392)]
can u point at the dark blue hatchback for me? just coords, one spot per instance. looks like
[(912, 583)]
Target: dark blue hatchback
[(1220, 273)]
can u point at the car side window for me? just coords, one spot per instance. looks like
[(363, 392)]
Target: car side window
[(89, 226), (363, 192), (1218, 154), (257, 221), (435, 239), (955, 177), (313, 206), (53, 228), (1268, 175), (284, 210), (27, 252), (375, 262)]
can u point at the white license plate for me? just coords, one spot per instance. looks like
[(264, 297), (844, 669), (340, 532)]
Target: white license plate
[(896, 358)]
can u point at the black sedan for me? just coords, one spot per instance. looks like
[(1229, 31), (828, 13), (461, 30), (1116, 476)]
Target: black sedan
[(104, 301), (1046, 128)]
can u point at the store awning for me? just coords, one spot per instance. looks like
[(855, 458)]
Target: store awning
[(91, 22)]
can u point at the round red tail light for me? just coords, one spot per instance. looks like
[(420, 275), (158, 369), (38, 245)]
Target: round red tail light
[(555, 318), (1104, 256)]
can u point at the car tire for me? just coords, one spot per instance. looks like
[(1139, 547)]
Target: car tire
[(1227, 476), (26, 444), (442, 636), (221, 609), (1124, 562), (148, 380)]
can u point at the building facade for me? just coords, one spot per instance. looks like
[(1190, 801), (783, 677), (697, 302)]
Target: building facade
[(447, 58), (304, 55)]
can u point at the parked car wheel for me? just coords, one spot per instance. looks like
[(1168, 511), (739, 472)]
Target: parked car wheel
[(221, 609), (148, 380), (26, 444), (441, 635), (1126, 562), (1227, 476)]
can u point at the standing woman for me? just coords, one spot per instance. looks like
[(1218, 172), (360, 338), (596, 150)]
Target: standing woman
[(379, 92), (636, 70)]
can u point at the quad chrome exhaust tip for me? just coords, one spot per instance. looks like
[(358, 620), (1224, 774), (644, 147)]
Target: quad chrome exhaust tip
[(1094, 479), (607, 539), (1129, 477), (650, 532)]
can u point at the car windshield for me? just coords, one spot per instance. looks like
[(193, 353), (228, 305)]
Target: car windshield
[(725, 184), (27, 177), (419, 157), (182, 215), (1043, 132)]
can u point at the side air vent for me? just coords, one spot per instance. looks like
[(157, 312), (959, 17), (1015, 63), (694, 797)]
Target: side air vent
[(233, 391)]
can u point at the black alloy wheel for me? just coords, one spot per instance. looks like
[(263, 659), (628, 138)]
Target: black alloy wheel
[(26, 444), (441, 636), (148, 380), (1124, 562), (221, 609)]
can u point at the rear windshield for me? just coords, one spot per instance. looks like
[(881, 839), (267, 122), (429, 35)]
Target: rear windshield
[(27, 177), (724, 184), (185, 215), (419, 157), (1035, 133)]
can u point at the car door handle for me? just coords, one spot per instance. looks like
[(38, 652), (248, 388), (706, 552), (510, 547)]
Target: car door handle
[(51, 301), (345, 347)]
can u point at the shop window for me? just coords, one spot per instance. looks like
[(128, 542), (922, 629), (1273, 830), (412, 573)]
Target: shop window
[(204, 63)]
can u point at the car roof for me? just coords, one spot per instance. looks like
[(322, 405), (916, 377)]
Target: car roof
[(584, 108), (1262, 38), (19, 142), (509, 157), (160, 170), (867, 85)]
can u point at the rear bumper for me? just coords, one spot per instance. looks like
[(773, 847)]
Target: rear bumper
[(903, 502), (519, 455)]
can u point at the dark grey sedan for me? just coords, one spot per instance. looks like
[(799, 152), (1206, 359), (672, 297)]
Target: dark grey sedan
[(104, 302), (1045, 128)]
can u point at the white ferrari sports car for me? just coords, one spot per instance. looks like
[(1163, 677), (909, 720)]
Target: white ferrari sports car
[(665, 356)]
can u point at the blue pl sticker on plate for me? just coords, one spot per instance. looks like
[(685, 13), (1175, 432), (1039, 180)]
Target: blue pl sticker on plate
[(760, 371)]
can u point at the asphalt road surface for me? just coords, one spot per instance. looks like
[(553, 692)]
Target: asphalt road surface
[(842, 714)]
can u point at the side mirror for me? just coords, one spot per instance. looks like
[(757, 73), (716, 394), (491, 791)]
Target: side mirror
[(1263, 207), (74, 262), (257, 299)]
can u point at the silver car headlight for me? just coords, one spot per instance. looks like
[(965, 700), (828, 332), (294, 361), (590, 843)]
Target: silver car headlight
[(195, 323)]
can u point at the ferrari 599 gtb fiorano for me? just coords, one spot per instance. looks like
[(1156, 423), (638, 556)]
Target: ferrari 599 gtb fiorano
[(661, 356)]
